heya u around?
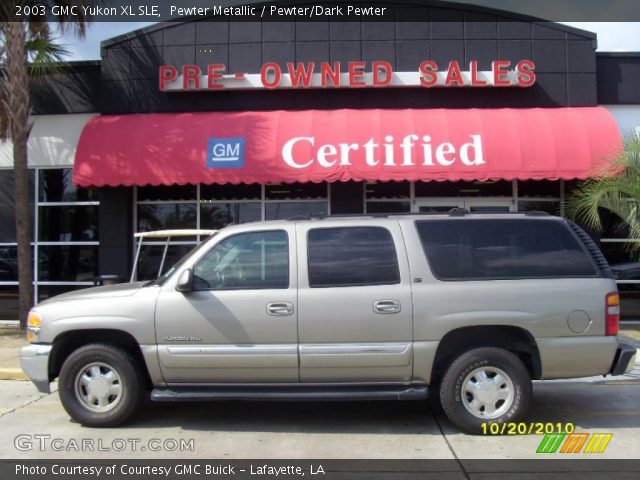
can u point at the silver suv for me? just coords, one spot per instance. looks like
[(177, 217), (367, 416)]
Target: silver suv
[(471, 307)]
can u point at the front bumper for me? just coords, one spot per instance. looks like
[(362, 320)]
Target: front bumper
[(624, 360), (34, 360)]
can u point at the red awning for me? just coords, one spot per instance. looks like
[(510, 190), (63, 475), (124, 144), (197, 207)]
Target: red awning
[(340, 145)]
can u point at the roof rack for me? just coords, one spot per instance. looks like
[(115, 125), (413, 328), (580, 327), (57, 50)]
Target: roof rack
[(454, 212)]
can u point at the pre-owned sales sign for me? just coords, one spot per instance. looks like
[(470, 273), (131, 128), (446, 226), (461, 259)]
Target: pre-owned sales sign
[(503, 73)]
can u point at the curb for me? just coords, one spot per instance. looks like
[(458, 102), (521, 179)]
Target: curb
[(12, 374)]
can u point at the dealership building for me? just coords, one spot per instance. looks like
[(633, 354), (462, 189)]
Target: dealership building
[(206, 122)]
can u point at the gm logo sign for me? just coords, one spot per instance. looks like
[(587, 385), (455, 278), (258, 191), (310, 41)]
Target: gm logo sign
[(225, 152)]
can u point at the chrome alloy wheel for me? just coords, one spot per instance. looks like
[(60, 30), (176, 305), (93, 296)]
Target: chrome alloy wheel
[(487, 392), (98, 387)]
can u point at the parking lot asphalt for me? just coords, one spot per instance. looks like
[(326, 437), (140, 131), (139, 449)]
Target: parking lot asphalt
[(242, 430)]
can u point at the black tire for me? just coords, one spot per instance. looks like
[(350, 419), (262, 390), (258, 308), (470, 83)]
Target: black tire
[(451, 388), (129, 376)]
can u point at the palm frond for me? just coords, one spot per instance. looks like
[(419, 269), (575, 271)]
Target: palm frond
[(44, 54), (616, 190)]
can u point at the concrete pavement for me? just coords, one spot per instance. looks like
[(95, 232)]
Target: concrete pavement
[(310, 430), (314, 430), (10, 364)]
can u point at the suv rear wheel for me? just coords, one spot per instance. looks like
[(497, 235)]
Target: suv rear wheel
[(101, 385), (485, 385)]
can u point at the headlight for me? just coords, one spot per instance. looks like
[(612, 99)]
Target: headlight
[(33, 326)]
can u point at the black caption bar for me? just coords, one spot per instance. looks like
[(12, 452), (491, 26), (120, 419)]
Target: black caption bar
[(305, 10), (314, 469)]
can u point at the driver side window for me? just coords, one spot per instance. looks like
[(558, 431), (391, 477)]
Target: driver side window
[(254, 260)]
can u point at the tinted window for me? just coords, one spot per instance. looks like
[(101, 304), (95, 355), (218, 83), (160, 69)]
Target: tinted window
[(254, 260), (342, 257), (502, 249)]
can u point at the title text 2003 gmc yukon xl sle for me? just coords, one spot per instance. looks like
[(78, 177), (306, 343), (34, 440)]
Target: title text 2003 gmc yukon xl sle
[(473, 306)]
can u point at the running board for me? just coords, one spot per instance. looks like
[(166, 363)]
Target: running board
[(296, 394)]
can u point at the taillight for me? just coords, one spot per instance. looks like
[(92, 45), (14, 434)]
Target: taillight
[(612, 313)]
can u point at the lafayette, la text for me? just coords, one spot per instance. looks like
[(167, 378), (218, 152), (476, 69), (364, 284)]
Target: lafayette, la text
[(166, 470)]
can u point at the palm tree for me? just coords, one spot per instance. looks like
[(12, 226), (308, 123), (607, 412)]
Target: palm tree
[(28, 48), (618, 193)]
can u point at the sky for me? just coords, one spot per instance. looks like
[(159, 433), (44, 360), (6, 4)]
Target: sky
[(612, 37)]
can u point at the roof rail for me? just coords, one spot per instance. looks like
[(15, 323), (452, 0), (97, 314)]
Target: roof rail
[(454, 212)]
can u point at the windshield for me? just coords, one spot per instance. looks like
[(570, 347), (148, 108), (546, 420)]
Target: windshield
[(165, 276)]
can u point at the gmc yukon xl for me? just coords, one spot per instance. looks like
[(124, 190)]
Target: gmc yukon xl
[(471, 307)]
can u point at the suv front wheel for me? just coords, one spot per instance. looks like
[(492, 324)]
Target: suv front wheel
[(101, 385), (485, 385)]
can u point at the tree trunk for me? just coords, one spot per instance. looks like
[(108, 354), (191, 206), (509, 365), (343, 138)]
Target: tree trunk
[(17, 86)]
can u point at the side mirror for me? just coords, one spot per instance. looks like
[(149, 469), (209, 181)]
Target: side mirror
[(185, 281)]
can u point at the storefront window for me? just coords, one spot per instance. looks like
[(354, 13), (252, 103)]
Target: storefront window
[(284, 210), (55, 185), (8, 302), (7, 205), (68, 223), (388, 207), (173, 193), (166, 216), (9, 263), (388, 197), (241, 191), (219, 215), (539, 189), (68, 263), (552, 208), (151, 257), (500, 188), (295, 200), (295, 191), (387, 190)]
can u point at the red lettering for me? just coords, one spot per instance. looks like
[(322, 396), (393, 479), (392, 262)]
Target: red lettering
[(167, 74), (454, 75), (191, 73), (328, 74), (475, 81), (356, 74), (379, 67), (526, 74), (301, 74), (500, 74), (270, 68), (428, 73), (213, 76)]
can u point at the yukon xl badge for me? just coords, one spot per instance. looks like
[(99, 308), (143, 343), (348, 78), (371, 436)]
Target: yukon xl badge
[(189, 338)]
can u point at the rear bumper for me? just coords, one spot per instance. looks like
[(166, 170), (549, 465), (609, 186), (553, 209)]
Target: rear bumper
[(624, 360), (34, 360)]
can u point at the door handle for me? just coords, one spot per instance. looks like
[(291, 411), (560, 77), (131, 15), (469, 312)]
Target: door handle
[(279, 309), (386, 306)]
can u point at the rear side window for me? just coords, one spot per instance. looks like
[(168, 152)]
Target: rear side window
[(352, 256), (502, 249)]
